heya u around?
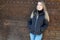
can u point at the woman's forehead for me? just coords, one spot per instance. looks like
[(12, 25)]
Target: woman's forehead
[(39, 3)]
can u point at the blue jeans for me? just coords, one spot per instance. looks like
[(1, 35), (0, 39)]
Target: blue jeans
[(36, 37)]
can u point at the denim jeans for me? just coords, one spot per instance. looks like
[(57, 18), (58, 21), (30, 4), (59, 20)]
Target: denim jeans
[(36, 37)]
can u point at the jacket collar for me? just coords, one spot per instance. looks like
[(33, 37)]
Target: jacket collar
[(40, 12), (35, 11)]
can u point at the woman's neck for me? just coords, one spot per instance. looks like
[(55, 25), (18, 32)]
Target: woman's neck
[(40, 11)]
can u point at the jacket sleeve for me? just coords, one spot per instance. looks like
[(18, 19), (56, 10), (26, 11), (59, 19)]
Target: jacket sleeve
[(45, 25), (30, 20), (46, 21)]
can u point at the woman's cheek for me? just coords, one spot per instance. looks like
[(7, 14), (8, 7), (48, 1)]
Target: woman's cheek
[(39, 7)]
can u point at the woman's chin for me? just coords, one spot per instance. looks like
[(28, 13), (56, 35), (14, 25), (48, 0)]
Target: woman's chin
[(39, 9)]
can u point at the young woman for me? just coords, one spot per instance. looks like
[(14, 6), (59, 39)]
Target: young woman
[(38, 21)]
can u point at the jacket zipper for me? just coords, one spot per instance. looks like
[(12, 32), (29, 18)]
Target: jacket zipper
[(36, 21)]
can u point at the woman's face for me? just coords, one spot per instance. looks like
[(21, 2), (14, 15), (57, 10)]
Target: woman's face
[(39, 6)]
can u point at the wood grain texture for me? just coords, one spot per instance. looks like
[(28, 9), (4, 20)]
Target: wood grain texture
[(15, 13)]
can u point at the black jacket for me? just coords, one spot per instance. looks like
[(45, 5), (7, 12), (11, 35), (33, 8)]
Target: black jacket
[(37, 26)]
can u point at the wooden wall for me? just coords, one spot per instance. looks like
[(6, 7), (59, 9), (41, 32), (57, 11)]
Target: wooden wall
[(15, 13)]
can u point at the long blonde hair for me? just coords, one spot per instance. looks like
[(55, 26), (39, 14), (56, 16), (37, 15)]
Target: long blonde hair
[(45, 10)]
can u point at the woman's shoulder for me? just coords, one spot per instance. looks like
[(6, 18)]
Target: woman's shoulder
[(35, 10)]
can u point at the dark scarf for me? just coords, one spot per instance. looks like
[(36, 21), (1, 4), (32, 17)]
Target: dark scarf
[(40, 12)]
